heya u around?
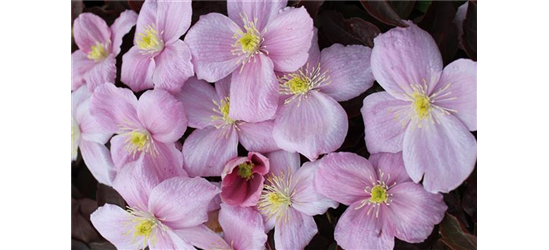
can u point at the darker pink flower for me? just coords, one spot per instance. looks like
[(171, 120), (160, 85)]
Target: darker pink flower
[(159, 58), (95, 61), (256, 39), (383, 202), (242, 180)]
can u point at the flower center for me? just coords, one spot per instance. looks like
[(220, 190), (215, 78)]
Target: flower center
[(149, 40), (249, 42), (421, 104), (276, 197), (223, 107), (75, 137), (299, 83), (245, 170), (144, 226), (378, 194), (139, 140), (98, 52)]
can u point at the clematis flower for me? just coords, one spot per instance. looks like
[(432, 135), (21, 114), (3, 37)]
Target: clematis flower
[(289, 202), (215, 141), (256, 39), (242, 179), (383, 202), (311, 121), (426, 112), (87, 135), (156, 209), (243, 229), (95, 61), (148, 127), (159, 58)]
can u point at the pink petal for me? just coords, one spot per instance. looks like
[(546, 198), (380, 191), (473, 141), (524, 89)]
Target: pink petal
[(462, 77), (458, 19), (446, 153), (197, 97), (89, 128), (210, 41), (98, 160), (283, 161), (262, 10), (80, 65), (237, 191), (182, 202), (344, 176), (135, 182), (288, 39), (313, 126), (78, 96), (223, 87), (137, 70), (108, 215), (349, 71), (89, 30), (255, 86), (358, 230), (173, 67), (113, 107), (162, 115), (257, 137), (413, 212), (392, 167), (122, 26), (168, 240), (103, 72), (202, 237), (173, 19), (243, 227), (119, 153), (168, 161), (306, 199), (296, 232), (384, 131), (403, 57), (206, 151), (314, 51)]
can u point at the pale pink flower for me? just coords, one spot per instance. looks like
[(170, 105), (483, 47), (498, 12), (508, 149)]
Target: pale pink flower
[(95, 61), (426, 112), (243, 229), (383, 202), (159, 58), (156, 209), (148, 127), (242, 180), (90, 137), (289, 201), (256, 39), (215, 140), (310, 120)]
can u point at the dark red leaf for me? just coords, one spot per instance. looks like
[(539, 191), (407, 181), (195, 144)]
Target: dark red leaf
[(469, 38), (104, 245), (455, 235), (76, 8), (106, 194), (337, 29), (78, 245), (438, 21), (311, 6), (81, 228), (364, 31), (135, 5), (403, 8), (383, 12)]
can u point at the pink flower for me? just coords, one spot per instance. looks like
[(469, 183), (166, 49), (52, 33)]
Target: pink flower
[(243, 229), (383, 202), (289, 201), (311, 121), (148, 127), (156, 209), (95, 62), (256, 39), (242, 180), (159, 57), (215, 141), (87, 135), (426, 112)]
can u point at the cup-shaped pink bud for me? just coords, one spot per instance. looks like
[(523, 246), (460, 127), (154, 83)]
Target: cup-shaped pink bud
[(242, 180)]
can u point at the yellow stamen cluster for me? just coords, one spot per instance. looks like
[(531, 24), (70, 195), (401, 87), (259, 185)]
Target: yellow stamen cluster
[(98, 52), (379, 193), (144, 226), (299, 83), (149, 40), (245, 170), (276, 197), (223, 107), (139, 141), (421, 104), (248, 43)]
